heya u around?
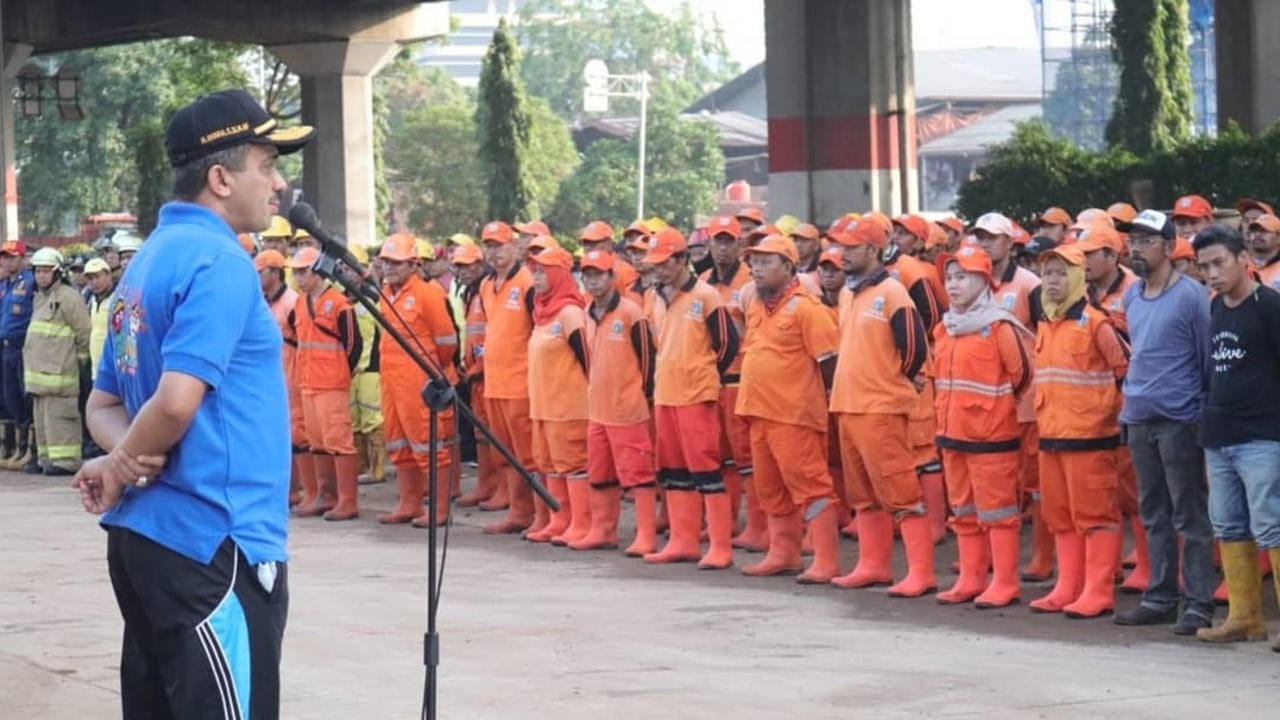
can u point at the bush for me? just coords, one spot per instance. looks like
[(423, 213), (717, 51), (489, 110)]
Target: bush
[(1035, 170)]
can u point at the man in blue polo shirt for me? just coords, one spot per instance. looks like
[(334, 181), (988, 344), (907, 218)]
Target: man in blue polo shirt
[(17, 290), (190, 404)]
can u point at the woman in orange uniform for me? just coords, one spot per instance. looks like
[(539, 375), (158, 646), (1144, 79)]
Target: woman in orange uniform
[(982, 370), (1080, 362), (558, 394)]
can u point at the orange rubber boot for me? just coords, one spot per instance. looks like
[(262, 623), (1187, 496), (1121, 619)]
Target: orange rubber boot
[(519, 508), (1101, 548), (1140, 577), (646, 503), (733, 482), (684, 507), (606, 505), (664, 513), (1040, 567), (326, 487), (501, 497), (875, 551), (1070, 551), (442, 489), (783, 557), (486, 479), (347, 470), (755, 534), (412, 482), (307, 479), (975, 560), (917, 539), (719, 532), (935, 504), (552, 522), (1004, 589), (579, 512), (824, 532)]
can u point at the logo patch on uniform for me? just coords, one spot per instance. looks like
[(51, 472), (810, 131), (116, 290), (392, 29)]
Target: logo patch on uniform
[(1084, 319), (556, 329), (615, 330), (895, 273), (408, 303), (1010, 300), (877, 305), (696, 308), (985, 332), (792, 304), (734, 296), (513, 299), (328, 305)]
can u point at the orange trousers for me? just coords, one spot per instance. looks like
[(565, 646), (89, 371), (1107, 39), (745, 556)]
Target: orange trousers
[(922, 427), (982, 489), (620, 452), (560, 446), (735, 438), (688, 447), (407, 428), (878, 466), (510, 423), (327, 416), (1079, 490), (790, 466), (297, 422), (1028, 467)]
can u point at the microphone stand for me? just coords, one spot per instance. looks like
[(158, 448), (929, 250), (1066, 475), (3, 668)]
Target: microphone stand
[(438, 395)]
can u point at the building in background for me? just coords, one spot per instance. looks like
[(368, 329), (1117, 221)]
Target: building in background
[(463, 53)]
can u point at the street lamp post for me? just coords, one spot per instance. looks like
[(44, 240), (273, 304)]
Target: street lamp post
[(600, 86)]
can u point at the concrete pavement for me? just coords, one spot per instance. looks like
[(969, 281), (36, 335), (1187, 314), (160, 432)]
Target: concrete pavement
[(539, 632)]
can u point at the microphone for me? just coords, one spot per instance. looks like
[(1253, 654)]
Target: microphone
[(302, 215)]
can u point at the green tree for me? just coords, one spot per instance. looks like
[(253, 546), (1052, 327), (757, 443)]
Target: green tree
[(1153, 107), (502, 123), (686, 58), (684, 167), (552, 156), (439, 177)]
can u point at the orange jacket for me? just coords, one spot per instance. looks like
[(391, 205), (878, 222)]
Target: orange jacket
[(977, 382), (697, 342), (558, 368), (329, 343), (620, 350), (883, 346), (473, 350), (1080, 362), (508, 309), (730, 290), (422, 311), (923, 285), (281, 308)]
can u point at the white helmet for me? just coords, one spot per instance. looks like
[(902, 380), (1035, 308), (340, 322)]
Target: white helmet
[(47, 257), (126, 242)]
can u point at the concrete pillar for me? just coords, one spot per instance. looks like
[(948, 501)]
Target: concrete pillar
[(337, 98), (1247, 42), (13, 56), (841, 103)]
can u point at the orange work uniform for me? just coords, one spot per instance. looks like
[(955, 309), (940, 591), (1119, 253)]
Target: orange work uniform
[(782, 396), (980, 377), (882, 347), (282, 305), (620, 350), (329, 347), (1080, 361), (558, 394), (735, 444), (417, 309)]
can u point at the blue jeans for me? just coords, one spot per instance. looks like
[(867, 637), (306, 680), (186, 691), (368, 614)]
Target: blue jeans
[(1173, 501), (1244, 492), (17, 406)]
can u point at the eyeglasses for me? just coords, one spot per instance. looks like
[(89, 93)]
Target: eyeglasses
[(1145, 240)]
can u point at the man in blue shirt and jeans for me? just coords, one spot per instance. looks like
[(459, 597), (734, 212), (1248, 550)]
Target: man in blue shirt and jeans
[(190, 404), (1163, 400)]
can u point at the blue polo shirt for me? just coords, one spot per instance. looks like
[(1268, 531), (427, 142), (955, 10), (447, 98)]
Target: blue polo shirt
[(190, 302), (18, 297)]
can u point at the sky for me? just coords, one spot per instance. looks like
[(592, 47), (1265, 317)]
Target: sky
[(936, 24)]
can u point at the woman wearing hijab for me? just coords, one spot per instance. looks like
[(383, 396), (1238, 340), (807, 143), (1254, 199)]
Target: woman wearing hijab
[(558, 397), (982, 370), (1080, 362)]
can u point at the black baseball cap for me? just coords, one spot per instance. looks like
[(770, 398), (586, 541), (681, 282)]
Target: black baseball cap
[(225, 119)]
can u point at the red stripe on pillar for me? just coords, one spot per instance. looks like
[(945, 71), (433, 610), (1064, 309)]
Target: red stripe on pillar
[(840, 142)]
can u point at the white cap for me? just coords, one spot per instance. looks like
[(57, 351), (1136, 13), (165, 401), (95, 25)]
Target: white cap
[(1152, 220), (994, 223)]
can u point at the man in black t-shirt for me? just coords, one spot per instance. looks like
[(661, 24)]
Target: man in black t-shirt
[(1242, 428)]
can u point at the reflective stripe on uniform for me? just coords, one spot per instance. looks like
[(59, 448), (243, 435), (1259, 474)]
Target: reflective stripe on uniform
[(963, 510), (62, 452), (446, 340), (997, 515), (53, 381), (475, 328), (1097, 378), (956, 385), (313, 345), (51, 329)]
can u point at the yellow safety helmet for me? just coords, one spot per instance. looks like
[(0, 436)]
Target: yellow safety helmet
[(655, 224), (425, 251), (279, 228), (461, 239), (300, 234), (360, 253), (787, 223)]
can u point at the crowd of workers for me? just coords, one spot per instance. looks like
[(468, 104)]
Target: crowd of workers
[(880, 378)]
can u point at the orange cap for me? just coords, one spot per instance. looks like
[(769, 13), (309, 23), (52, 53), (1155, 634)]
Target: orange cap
[(1247, 204), (807, 231), (832, 254), (269, 259), (1122, 212), (1267, 223), (598, 260), (761, 233), (866, 231), (1193, 206), (533, 227), (1020, 235), (1071, 254), (914, 224), (305, 258), (1182, 250), (954, 224), (467, 255), (497, 231), (400, 247), (937, 237), (724, 225), (880, 219), (638, 227), (596, 231), (544, 243), (1090, 216), (553, 257), (776, 245), (752, 213), (1097, 236), (663, 244), (13, 247), (641, 242), (1054, 216), (970, 258)]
